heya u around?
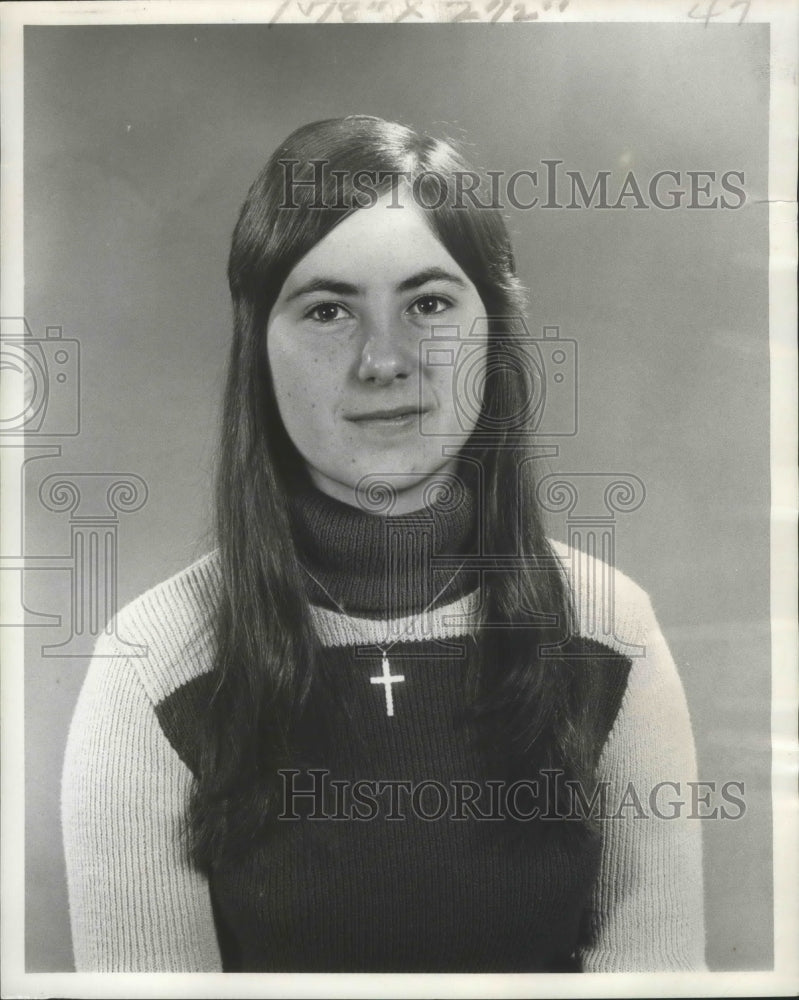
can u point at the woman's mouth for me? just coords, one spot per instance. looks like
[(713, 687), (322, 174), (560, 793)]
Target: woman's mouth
[(394, 417)]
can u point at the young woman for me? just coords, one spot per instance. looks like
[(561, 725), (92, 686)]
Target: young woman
[(370, 733)]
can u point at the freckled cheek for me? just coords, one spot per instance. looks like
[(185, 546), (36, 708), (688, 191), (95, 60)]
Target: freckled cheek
[(458, 390), (297, 376), (445, 387)]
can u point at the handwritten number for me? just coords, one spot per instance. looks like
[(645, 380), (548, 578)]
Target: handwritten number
[(466, 14), (279, 11), (503, 6), (741, 3), (521, 13), (713, 11), (348, 10)]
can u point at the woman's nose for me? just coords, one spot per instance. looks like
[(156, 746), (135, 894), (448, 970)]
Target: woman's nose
[(384, 356)]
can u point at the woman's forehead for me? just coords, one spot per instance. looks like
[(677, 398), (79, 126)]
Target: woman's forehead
[(384, 244)]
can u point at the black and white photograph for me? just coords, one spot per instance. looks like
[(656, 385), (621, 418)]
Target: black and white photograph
[(399, 498)]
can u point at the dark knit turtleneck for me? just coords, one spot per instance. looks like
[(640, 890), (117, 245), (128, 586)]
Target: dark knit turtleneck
[(381, 565)]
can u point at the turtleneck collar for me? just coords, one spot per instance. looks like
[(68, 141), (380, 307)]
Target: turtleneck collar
[(384, 566)]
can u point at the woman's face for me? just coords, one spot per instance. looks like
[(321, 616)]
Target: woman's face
[(358, 391)]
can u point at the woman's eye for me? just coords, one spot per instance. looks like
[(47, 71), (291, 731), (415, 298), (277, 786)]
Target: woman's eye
[(428, 305), (327, 312)]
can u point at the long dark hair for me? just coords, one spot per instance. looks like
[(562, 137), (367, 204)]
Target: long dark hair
[(528, 707)]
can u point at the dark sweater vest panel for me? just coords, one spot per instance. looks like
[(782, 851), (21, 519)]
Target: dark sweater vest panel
[(417, 892)]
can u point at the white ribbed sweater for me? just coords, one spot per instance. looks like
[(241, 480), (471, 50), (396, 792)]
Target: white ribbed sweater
[(136, 904)]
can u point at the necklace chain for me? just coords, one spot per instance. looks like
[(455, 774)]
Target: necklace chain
[(383, 649)]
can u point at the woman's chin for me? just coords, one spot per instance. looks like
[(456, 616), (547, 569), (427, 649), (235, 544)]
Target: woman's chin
[(392, 488)]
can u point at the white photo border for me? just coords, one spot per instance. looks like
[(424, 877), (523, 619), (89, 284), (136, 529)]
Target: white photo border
[(783, 17)]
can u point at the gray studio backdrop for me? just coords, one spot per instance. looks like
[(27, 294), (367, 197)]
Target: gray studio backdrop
[(139, 145)]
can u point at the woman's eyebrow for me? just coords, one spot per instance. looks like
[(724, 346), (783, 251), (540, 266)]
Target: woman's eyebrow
[(430, 274), (324, 285)]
